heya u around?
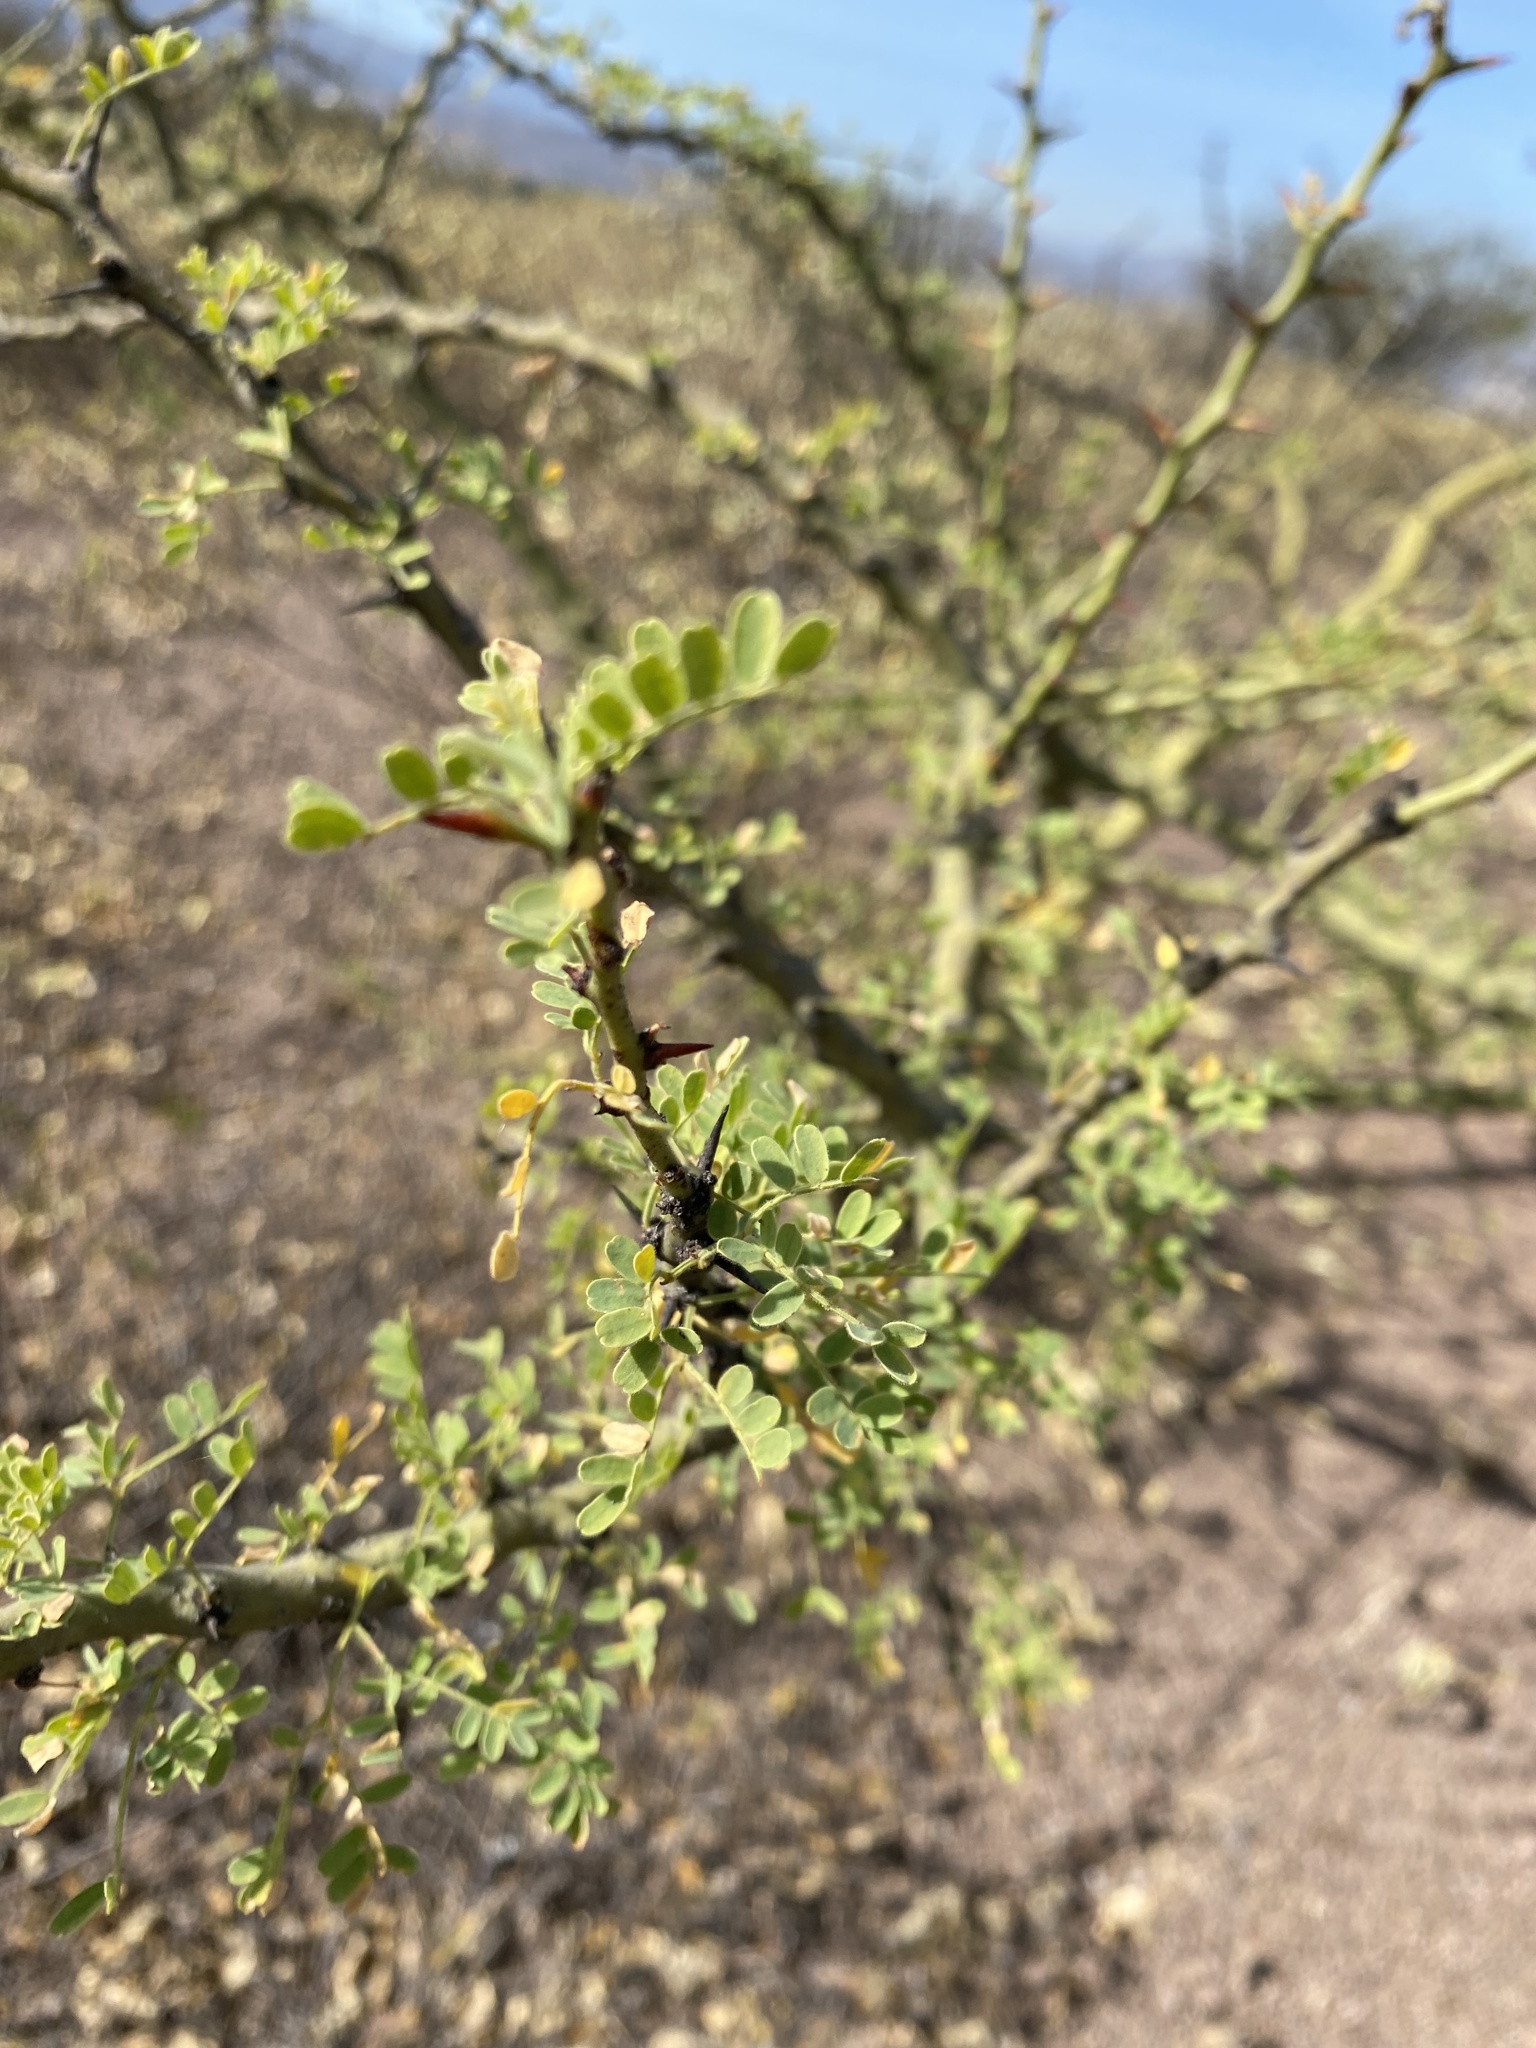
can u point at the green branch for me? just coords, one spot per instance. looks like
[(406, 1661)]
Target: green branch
[(1261, 941), (1013, 275), (1418, 529), (224, 1601), (1318, 226)]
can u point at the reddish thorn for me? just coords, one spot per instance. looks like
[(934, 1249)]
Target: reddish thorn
[(657, 1054), (478, 824)]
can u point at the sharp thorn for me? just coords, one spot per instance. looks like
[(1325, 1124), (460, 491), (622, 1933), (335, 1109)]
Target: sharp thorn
[(730, 1266), (712, 1142)]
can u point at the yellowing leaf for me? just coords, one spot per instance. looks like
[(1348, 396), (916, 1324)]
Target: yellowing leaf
[(1167, 952), (505, 1257), (1399, 754), (1205, 1070), (622, 1080), (515, 1181), (635, 923), (628, 1439), (508, 698), (515, 1103), (780, 1355), (582, 886)]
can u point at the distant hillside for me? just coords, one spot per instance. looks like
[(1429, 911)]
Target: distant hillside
[(508, 122)]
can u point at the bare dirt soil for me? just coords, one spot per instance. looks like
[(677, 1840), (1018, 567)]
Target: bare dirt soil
[(237, 1113)]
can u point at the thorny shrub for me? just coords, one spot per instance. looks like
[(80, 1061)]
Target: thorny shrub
[(803, 1266)]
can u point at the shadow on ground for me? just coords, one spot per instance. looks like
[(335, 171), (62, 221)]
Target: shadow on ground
[(237, 1099)]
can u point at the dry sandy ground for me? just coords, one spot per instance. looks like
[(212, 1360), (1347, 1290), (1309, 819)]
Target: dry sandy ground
[(237, 1099)]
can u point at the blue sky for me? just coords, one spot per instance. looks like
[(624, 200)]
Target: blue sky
[(1286, 85)]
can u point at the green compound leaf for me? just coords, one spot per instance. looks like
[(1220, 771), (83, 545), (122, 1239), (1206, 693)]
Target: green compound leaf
[(21, 1807), (810, 1152), (384, 1788), (703, 662), (549, 1783), (658, 685), (883, 1225), (180, 1416), (604, 1296), (349, 1881), (741, 1251), (606, 1469), (756, 619), (911, 1334), (778, 1305), (602, 1513), (82, 1907), (807, 644), (759, 1414), (774, 1162), (613, 713), (343, 1851), (623, 1326), (866, 1160), (320, 819), (896, 1362), (735, 1387), (410, 774)]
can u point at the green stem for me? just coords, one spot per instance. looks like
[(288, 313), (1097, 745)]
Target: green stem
[(1012, 270), (311, 1586), (1317, 229)]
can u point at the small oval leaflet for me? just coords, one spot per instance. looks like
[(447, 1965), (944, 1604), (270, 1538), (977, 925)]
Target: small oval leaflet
[(778, 1305), (384, 1788), (657, 684), (703, 661), (410, 774), (595, 1517), (807, 643), (623, 1326), (825, 1406), (868, 1159), (773, 1450), (755, 623), (773, 1161), (320, 819), (810, 1149), (606, 1469), (603, 1296), (82, 1907), (884, 1224), (734, 1387), (609, 710), (21, 1807), (760, 1413)]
